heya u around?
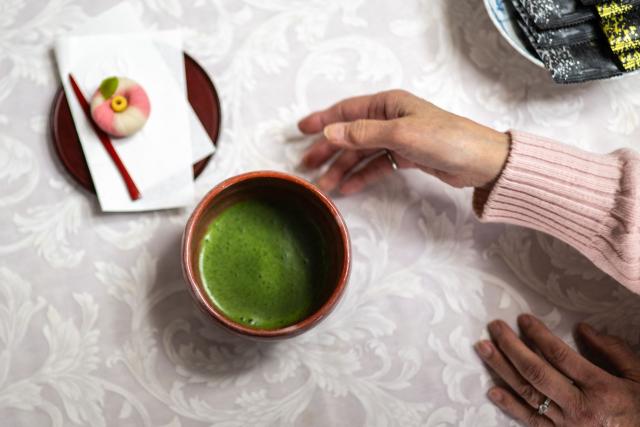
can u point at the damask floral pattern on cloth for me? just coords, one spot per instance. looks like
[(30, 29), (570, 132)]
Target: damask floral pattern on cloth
[(96, 325)]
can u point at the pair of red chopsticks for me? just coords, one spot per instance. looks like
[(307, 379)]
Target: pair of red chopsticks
[(134, 193)]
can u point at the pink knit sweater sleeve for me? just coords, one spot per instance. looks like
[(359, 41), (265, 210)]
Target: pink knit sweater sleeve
[(589, 201)]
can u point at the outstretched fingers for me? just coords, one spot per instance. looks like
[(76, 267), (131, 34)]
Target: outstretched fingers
[(521, 387), (380, 106), (365, 134), (320, 152), (513, 407), (340, 168), (557, 352), (537, 372), (350, 109)]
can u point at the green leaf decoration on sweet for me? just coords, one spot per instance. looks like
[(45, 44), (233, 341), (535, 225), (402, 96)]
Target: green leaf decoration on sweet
[(108, 87)]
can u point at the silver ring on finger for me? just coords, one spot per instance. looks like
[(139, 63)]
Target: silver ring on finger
[(544, 406), (392, 160)]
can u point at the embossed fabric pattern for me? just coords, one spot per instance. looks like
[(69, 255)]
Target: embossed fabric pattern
[(96, 325)]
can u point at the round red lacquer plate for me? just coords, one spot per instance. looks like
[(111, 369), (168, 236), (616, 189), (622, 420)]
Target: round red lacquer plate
[(202, 96)]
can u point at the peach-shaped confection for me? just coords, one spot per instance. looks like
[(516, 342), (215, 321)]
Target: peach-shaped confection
[(120, 106)]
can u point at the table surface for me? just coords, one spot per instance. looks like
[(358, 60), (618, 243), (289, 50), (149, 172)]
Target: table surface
[(96, 326)]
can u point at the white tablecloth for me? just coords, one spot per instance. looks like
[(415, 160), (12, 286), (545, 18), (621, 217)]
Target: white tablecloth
[(96, 326)]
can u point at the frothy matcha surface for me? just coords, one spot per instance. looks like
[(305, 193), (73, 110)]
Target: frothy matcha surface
[(263, 264)]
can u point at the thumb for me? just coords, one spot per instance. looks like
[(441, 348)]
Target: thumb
[(615, 350), (363, 133)]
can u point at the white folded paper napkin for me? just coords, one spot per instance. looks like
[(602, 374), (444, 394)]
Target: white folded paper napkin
[(159, 158)]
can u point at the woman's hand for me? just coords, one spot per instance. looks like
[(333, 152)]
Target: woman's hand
[(581, 393), (420, 135)]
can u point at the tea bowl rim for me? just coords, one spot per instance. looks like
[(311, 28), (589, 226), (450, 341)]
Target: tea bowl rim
[(198, 292)]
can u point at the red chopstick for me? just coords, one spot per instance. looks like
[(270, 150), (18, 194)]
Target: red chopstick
[(134, 193)]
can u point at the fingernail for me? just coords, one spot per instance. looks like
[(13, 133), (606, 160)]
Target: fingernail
[(495, 396), (525, 320), (335, 132), (495, 328), (483, 348)]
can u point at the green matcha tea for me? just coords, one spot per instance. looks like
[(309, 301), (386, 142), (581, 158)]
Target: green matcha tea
[(263, 264)]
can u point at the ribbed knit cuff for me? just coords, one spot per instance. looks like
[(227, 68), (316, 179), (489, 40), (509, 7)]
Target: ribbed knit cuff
[(563, 191)]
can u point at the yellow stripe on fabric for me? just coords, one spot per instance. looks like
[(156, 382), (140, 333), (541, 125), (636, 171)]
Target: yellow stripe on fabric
[(606, 10), (630, 60), (621, 31), (620, 34)]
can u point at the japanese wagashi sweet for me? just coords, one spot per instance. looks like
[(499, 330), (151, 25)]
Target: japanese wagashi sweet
[(120, 106)]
